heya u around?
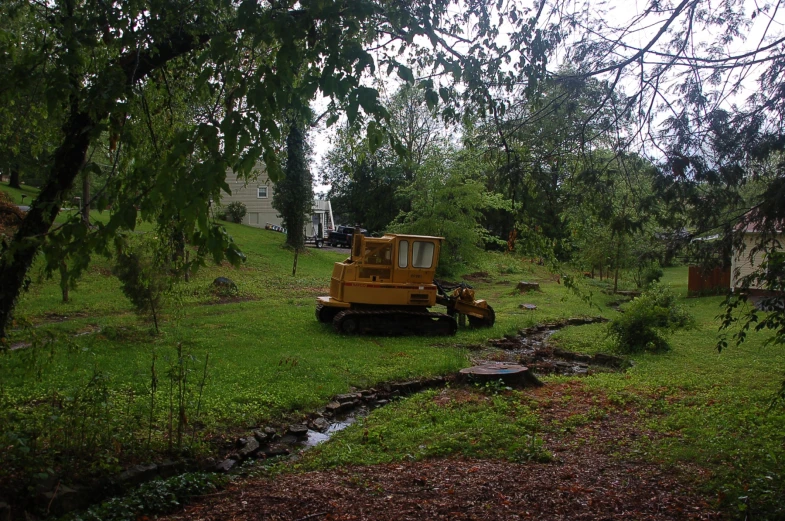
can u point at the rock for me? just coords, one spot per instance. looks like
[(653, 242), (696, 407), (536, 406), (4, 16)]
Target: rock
[(320, 425), (406, 387), (274, 453), (225, 283), (271, 433), (138, 474), (336, 407), (250, 449), (350, 397), (382, 402), (610, 360), (530, 307), (5, 512), (528, 286), (64, 499), (298, 430), (370, 398), (225, 466), (260, 436), (169, 468), (208, 464)]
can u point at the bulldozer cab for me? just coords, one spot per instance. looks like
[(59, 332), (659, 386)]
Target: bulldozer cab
[(396, 258)]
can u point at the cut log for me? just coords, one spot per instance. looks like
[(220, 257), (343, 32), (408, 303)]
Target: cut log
[(528, 286), (513, 375)]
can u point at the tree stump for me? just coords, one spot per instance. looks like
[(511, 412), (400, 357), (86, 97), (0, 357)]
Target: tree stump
[(513, 375), (528, 286)]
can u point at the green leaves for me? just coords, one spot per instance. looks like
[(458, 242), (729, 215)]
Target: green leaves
[(375, 137), (405, 73)]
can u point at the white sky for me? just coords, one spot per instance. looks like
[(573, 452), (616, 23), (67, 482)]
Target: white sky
[(614, 14)]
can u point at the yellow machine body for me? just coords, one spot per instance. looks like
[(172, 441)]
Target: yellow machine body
[(392, 273), (394, 270)]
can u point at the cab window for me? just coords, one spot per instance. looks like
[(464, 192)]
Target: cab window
[(403, 254), (422, 254), (379, 254)]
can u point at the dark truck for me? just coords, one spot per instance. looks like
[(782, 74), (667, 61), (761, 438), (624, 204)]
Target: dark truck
[(343, 236)]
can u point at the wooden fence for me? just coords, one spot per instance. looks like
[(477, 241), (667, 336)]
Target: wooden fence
[(713, 282)]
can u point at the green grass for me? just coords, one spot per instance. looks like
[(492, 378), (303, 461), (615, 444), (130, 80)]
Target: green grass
[(438, 423), (269, 357), (16, 194)]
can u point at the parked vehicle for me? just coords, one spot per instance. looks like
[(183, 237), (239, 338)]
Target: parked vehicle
[(343, 236), (387, 286)]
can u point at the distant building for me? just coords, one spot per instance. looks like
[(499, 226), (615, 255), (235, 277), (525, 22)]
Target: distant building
[(742, 264), (257, 196)]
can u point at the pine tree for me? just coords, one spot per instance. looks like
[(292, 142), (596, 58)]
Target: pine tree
[(293, 196)]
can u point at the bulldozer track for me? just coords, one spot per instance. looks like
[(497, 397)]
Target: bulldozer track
[(391, 322)]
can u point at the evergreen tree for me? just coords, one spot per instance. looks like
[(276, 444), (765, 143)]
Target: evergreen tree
[(293, 196)]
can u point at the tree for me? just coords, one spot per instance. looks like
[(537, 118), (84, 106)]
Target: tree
[(366, 176), (706, 86), (448, 200), (293, 197), (244, 63)]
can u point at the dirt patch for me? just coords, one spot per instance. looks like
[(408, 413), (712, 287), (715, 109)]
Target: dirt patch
[(585, 481), (52, 317), (477, 276), (229, 299)]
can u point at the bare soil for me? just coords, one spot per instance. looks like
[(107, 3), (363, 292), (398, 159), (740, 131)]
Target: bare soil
[(593, 476)]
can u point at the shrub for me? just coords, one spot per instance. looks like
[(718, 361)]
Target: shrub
[(646, 321), (235, 212), (144, 277), (159, 496), (647, 274), (10, 215)]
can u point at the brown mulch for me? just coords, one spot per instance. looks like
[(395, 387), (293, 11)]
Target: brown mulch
[(583, 482)]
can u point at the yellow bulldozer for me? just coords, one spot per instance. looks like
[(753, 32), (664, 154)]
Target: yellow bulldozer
[(387, 285)]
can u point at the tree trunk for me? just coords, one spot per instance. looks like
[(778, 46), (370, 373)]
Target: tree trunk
[(68, 161), (18, 257), (86, 198), (13, 181)]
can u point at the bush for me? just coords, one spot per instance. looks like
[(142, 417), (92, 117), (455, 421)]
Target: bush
[(10, 215), (235, 212), (651, 275), (144, 277), (156, 497), (646, 321)]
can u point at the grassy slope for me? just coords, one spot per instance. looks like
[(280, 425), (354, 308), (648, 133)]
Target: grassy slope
[(16, 193), (704, 407), (268, 356)]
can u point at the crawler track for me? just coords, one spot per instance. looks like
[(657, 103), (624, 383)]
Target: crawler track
[(394, 323)]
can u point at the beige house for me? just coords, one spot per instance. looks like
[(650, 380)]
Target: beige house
[(257, 196), (742, 264)]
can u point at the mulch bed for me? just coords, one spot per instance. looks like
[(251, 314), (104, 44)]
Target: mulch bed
[(583, 482)]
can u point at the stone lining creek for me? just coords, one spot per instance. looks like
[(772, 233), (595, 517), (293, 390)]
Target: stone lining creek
[(529, 348), (532, 349)]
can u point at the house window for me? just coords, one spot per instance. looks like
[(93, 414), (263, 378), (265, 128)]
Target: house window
[(261, 192)]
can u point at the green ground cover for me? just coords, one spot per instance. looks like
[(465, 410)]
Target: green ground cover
[(97, 384), (16, 193)]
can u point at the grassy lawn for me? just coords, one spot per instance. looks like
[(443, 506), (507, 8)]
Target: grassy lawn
[(97, 384), (16, 193)]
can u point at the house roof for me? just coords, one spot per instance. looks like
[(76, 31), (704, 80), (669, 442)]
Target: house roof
[(751, 222)]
